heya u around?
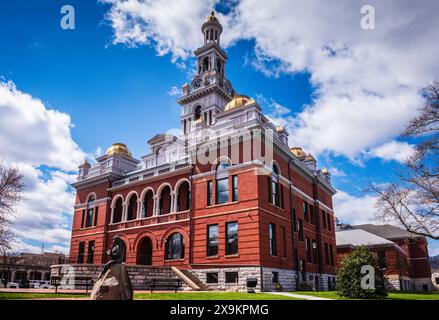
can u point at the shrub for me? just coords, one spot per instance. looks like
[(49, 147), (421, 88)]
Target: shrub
[(349, 276)]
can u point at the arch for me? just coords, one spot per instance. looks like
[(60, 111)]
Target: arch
[(144, 250), (132, 205), (147, 202), (88, 198), (219, 160), (126, 249), (164, 196), (117, 208), (183, 195), (274, 164)]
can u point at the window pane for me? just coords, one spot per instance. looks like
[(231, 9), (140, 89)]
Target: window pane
[(272, 234), (235, 188), (222, 191), (212, 277), (175, 247), (231, 277), (232, 238), (212, 240), (209, 193)]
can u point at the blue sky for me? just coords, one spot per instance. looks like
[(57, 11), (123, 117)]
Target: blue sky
[(114, 86)]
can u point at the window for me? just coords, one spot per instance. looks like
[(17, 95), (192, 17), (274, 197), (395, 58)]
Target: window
[(275, 186), (303, 269), (272, 235), (329, 221), (231, 238), (324, 219), (90, 211), (235, 188), (308, 250), (174, 247), (231, 277), (331, 255), (300, 229), (81, 251), (222, 191), (212, 240), (212, 277), (305, 211), (275, 277), (209, 193), (314, 251), (91, 252), (326, 254), (197, 113), (222, 183)]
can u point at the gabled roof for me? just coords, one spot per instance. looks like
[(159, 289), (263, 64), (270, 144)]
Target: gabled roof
[(386, 231), (358, 237)]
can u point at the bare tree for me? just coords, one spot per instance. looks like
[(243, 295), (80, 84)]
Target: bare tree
[(413, 201), (11, 187), (9, 258)]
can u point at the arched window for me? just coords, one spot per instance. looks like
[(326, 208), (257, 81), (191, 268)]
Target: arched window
[(174, 247), (165, 200), (132, 208), (144, 252), (197, 113), (206, 64), (90, 212), (118, 210), (275, 186), (183, 197), (148, 204), (222, 182)]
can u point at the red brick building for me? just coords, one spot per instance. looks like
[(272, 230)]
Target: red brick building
[(225, 199), (402, 255)]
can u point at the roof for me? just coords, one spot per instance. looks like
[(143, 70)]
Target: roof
[(386, 231), (358, 237)]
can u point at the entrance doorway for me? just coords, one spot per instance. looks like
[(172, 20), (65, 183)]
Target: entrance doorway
[(144, 252)]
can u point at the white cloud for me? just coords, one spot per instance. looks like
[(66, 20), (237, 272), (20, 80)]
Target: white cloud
[(175, 91), (336, 172), (367, 82), (393, 150), (32, 134), (41, 147), (354, 210)]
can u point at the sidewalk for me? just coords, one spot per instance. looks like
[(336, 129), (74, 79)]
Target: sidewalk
[(300, 296)]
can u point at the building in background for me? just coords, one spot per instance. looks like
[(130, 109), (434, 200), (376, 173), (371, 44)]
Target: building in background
[(403, 256), (29, 266), (233, 217)]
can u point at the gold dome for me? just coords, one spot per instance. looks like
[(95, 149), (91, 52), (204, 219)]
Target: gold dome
[(298, 152), (310, 157), (238, 102), (280, 129), (119, 149), (211, 17)]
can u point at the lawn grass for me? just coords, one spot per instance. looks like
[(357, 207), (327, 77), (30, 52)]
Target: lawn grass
[(210, 296), (155, 296), (391, 296), (24, 296)]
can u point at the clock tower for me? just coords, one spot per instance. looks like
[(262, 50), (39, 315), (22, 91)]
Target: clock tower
[(209, 90)]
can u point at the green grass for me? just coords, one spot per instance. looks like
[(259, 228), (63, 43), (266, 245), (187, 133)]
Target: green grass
[(391, 296), (23, 296), (210, 296), (156, 296)]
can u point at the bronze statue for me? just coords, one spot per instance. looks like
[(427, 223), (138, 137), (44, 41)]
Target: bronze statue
[(116, 254)]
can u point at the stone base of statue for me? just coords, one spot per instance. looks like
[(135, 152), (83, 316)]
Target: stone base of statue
[(115, 284)]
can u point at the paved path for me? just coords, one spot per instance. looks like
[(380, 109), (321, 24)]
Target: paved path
[(300, 296)]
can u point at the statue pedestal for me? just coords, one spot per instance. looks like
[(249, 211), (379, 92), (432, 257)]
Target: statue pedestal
[(115, 284)]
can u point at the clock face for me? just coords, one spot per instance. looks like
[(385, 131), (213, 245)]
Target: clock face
[(197, 83)]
